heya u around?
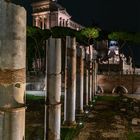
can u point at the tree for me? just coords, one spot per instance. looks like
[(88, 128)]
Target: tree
[(90, 34), (122, 37), (36, 38), (137, 38)]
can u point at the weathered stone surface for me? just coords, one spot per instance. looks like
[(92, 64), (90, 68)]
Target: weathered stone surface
[(117, 118), (125, 99), (54, 88), (90, 116), (120, 126), (12, 36), (108, 83), (136, 129), (11, 95), (136, 109), (123, 109), (12, 70), (110, 134), (71, 82), (1, 124), (13, 123), (135, 121)]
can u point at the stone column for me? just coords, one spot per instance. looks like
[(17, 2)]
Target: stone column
[(54, 88), (90, 75), (63, 22), (67, 23), (47, 21), (60, 21), (93, 79), (95, 70), (37, 21), (86, 78), (95, 76), (95, 67), (12, 71), (71, 82), (79, 80), (90, 83), (65, 84), (42, 18)]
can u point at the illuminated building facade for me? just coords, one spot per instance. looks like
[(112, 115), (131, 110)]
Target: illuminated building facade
[(48, 13)]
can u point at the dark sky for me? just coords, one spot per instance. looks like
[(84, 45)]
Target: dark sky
[(109, 14)]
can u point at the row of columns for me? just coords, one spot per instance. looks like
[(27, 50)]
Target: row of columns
[(63, 22), (12, 78), (79, 88), (42, 21)]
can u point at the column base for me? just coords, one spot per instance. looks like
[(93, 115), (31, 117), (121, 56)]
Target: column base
[(12, 123), (69, 123), (79, 111)]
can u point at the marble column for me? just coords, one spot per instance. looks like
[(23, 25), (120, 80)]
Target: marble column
[(86, 78), (53, 89), (79, 80), (70, 96), (12, 71)]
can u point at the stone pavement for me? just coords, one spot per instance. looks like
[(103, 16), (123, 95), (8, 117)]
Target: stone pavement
[(111, 120)]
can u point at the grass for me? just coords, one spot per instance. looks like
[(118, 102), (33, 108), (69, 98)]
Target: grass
[(70, 133), (33, 133), (108, 98), (66, 133), (133, 136), (35, 103), (34, 97)]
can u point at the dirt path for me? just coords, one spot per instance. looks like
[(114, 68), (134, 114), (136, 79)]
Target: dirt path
[(111, 119)]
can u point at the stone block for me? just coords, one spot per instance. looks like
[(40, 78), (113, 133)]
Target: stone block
[(135, 121)]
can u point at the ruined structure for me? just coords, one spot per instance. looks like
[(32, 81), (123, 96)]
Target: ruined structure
[(116, 73), (12, 71), (53, 89)]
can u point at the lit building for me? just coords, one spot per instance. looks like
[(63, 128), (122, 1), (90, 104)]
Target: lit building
[(114, 61), (48, 13)]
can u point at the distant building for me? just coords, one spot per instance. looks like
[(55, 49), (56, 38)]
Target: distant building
[(114, 61), (48, 13)]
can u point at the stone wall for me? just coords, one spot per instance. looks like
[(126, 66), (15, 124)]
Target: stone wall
[(109, 82)]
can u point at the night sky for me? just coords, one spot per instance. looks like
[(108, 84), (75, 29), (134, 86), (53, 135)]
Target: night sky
[(108, 14)]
